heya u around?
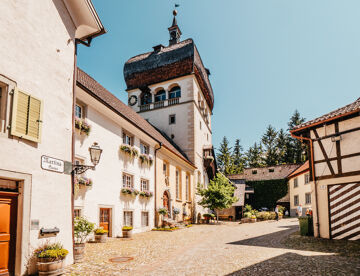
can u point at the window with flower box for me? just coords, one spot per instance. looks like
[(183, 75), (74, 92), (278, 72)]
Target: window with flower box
[(128, 218), (144, 219), (79, 111), (144, 185), (77, 212), (128, 181), (178, 184), (128, 139), (144, 149)]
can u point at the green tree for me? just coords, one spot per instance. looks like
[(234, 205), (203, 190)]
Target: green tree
[(268, 141), (238, 158), (284, 148), (218, 195), (297, 150), (254, 156), (224, 157)]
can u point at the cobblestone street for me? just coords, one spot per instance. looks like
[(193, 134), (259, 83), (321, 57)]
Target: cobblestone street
[(226, 249)]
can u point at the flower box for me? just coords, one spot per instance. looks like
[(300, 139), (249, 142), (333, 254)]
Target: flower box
[(146, 159), (129, 150), (82, 126), (146, 194), (81, 180), (129, 191)]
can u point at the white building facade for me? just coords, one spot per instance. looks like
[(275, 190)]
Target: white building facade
[(36, 103)]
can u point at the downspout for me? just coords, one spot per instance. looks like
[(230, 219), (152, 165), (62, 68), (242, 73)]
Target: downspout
[(313, 176), (155, 170)]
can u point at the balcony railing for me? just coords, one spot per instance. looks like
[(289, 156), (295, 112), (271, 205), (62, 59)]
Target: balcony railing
[(168, 102)]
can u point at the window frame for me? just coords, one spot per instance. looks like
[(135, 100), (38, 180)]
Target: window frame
[(296, 200), (188, 187), (125, 177), (144, 146), (296, 182), (175, 92), (146, 224), (82, 110), (125, 218), (79, 210), (307, 196), (160, 96), (178, 188), (307, 178), (172, 116), (127, 136), (146, 183)]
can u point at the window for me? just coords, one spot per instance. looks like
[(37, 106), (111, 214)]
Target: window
[(145, 98), (128, 218), (271, 170), (178, 184), (128, 181), (160, 96), (307, 178), (296, 200), (3, 95), (144, 185), (79, 111), (26, 117), (144, 219), (77, 212), (295, 182), (308, 198), (144, 149), (254, 171), (175, 92), (165, 172), (127, 139), (172, 119), (188, 188)]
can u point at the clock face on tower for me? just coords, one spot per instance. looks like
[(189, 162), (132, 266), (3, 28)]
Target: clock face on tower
[(132, 100)]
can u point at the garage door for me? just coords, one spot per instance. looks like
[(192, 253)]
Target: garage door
[(344, 202)]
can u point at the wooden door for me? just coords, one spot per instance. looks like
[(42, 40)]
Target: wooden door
[(8, 215), (105, 219), (166, 203)]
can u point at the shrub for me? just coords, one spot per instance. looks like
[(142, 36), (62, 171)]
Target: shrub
[(100, 231), (162, 211), (247, 214), (248, 208), (51, 252), (82, 229), (272, 215), (127, 228), (263, 215)]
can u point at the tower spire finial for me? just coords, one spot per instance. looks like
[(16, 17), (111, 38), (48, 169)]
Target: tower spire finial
[(174, 30)]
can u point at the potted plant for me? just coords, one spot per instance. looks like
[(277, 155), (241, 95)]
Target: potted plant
[(176, 211), (127, 231), (145, 194), (253, 218), (100, 234), (50, 258), (82, 229), (162, 212)]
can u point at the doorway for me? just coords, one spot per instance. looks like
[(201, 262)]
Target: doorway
[(166, 202), (105, 220), (8, 219)]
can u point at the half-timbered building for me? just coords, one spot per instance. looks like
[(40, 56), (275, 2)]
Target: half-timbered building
[(334, 148)]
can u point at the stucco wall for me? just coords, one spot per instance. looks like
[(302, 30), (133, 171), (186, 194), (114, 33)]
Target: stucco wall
[(106, 129), (300, 190), (37, 52)]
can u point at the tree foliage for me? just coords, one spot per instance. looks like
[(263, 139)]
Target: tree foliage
[(268, 140), (238, 158), (224, 157), (254, 156), (218, 195)]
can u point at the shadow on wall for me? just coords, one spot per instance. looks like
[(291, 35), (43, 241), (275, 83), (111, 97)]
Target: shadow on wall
[(296, 264), (65, 17)]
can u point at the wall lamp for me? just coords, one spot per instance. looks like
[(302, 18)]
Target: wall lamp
[(95, 154)]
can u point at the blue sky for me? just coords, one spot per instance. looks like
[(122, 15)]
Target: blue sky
[(266, 57)]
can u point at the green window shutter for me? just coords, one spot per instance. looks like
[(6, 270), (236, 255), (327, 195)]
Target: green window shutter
[(26, 116)]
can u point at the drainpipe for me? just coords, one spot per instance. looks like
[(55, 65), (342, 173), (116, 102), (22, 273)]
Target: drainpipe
[(155, 193), (313, 176)]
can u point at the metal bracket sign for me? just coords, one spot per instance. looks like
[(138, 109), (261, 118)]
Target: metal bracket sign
[(52, 164)]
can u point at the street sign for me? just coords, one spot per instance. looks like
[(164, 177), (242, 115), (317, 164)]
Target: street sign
[(52, 164)]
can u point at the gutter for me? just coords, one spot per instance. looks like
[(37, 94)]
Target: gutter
[(314, 179), (155, 181)]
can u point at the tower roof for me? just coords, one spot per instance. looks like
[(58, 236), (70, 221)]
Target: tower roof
[(167, 63)]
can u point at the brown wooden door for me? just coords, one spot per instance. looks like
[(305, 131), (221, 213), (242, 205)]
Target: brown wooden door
[(105, 219), (8, 214)]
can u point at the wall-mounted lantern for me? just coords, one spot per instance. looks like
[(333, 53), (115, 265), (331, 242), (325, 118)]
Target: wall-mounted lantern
[(95, 154)]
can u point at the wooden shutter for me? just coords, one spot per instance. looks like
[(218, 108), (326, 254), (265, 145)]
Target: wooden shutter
[(26, 116)]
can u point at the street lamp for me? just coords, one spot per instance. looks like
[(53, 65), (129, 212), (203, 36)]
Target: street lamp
[(95, 154)]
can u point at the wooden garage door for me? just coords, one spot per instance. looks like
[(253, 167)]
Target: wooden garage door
[(344, 203)]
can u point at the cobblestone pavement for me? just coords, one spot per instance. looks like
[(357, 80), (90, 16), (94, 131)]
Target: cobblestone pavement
[(226, 249)]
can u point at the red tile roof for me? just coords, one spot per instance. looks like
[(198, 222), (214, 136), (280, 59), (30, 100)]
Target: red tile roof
[(302, 169), (96, 90), (340, 112)]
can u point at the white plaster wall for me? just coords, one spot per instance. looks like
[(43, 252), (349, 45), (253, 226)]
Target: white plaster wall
[(37, 52), (106, 129)]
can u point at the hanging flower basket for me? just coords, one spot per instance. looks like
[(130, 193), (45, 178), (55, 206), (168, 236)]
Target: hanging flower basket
[(81, 180), (129, 191), (146, 159), (129, 150), (146, 194), (82, 126)]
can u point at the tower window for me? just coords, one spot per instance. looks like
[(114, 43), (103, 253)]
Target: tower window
[(146, 98), (175, 92), (172, 136), (172, 119), (160, 96)]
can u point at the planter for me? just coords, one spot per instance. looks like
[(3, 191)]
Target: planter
[(101, 238), (50, 268), (79, 250), (253, 220), (127, 234)]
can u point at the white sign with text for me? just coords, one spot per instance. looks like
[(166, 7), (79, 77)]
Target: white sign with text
[(52, 164)]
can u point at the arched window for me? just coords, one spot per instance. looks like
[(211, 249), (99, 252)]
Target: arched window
[(175, 92), (146, 98), (160, 96)]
